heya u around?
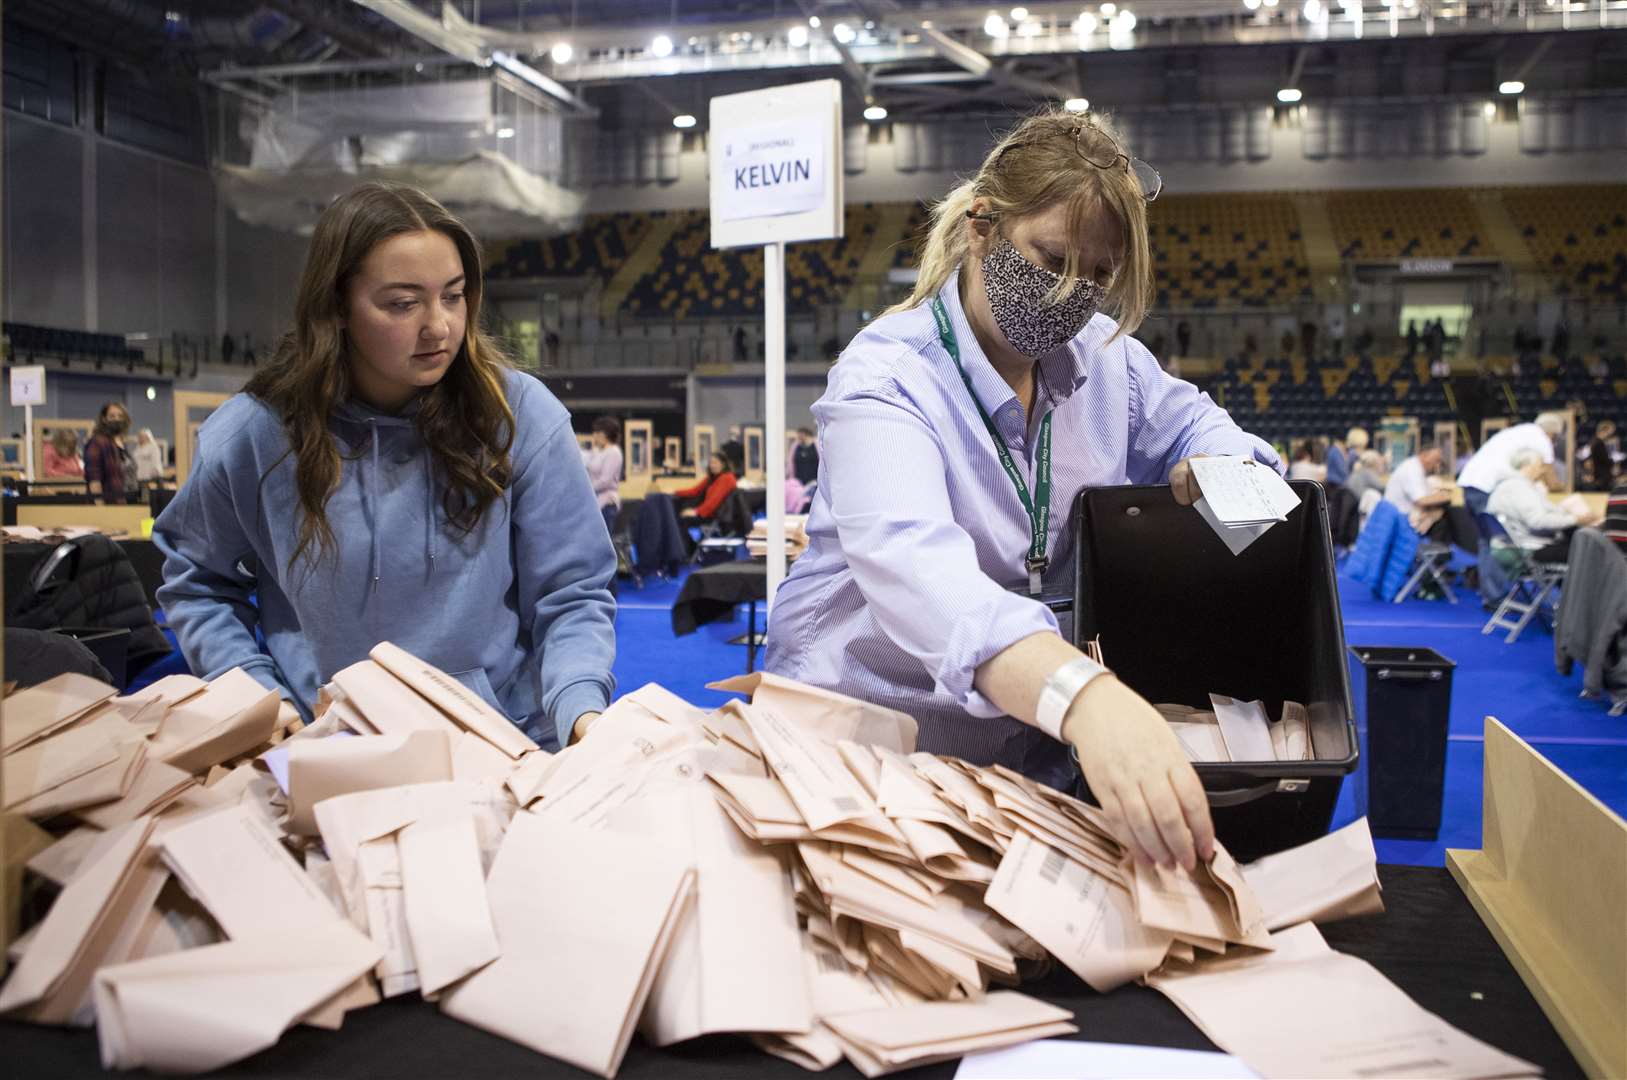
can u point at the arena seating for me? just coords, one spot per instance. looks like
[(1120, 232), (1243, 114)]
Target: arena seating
[(1405, 224), (599, 247), (28, 344), (1578, 235), (1227, 251)]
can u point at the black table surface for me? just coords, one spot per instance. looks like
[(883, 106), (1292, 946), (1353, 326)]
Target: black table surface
[(1430, 943), (144, 556), (711, 593)]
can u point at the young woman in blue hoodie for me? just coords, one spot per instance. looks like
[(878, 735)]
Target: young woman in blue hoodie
[(388, 477)]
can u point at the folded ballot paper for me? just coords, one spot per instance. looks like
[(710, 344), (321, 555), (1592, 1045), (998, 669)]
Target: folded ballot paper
[(1241, 498), (788, 868)]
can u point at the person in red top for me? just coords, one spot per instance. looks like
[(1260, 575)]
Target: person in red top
[(711, 492), (1615, 515)]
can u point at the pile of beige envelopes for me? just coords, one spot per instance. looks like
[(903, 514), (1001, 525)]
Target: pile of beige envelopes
[(787, 869)]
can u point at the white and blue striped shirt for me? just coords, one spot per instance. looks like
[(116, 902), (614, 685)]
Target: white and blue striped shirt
[(916, 535)]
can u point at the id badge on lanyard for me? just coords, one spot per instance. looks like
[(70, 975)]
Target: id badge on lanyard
[(1037, 504)]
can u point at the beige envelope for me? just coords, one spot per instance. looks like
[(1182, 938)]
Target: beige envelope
[(204, 1008), (1198, 904), (623, 738), (825, 714), (853, 895), (879, 1041), (531, 772), (233, 716), (322, 768), (156, 786), (743, 919), (54, 766), (387, 703), (663, 704), (52, 705), (966, 794), (48, 985), (453, 698), (1083, 919), (1296, 732), (1330, 878), (60, 862), (171, 691), (444, 893), (233, 863), (1307, 1011), (585, 918), (813, 772), (175, 922), (473, 758), (378, 863)]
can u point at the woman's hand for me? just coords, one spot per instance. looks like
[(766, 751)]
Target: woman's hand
[(1183, 484), (1140, 775), (579, 729)]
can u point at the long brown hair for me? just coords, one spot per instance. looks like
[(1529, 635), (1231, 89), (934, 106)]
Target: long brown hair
[(1035, 166), (464, 419)]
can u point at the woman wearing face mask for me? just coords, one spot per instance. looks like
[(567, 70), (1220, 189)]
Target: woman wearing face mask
[(109, 471), (919, 589), (387, 477)]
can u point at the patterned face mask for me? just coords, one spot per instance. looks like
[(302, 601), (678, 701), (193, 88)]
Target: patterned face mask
[(1018, 289)]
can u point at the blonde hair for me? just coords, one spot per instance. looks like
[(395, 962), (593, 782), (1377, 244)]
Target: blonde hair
[(1356, 438), (1035, 166)]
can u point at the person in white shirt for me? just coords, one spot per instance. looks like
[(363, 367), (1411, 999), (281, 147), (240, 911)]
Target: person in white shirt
[(1409, 488), (1533, 523), (604, 467), (148, 456), (1489, 466)]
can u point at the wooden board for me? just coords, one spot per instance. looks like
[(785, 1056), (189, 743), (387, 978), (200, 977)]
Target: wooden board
[(704, 445), (756, 453), (1550, 882), (110, 519), (638, 443), (192, 408)]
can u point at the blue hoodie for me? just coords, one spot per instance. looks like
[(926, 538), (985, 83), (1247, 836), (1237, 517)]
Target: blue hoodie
[(519, 610)]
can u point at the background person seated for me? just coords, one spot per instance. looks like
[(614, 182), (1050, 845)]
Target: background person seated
[(62, 461), (1414, 491), (708, 495), (1534, 524)]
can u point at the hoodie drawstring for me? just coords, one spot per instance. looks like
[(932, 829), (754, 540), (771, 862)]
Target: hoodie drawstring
[(372, 501), (429, 510)]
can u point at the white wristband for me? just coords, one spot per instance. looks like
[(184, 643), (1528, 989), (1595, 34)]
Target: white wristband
[(1064, 684)]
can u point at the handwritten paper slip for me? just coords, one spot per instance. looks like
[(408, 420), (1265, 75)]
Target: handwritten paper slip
[(586, 918), (1067, 1059), (1306, 1011), (1082, 918), (1241, 498)]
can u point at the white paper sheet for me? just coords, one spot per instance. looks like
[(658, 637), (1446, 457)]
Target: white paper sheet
[(1066, 1059)]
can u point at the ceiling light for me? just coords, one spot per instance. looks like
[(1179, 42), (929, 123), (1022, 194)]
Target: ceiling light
[(1511, 87), (1490, 109), (1077, 104), (1031, 28), (995, 27), (562, 52), (843, 33), (875, 112), (683, 120), (1084, 24), (1108, 9), (813, 21), (1270, 3), (1313, 10), (661, 46), (505, 133), (1288, 95), (1125, 21), (1252, 5), (797, 36), (1018, 14), (152, 393)]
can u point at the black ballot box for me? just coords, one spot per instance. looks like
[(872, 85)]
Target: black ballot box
[(1180, 617)]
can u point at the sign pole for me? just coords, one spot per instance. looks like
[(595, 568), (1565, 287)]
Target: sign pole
[(774, 406), (28, 442)]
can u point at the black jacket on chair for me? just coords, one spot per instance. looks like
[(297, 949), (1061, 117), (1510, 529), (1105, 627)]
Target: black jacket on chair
[(91, 583)]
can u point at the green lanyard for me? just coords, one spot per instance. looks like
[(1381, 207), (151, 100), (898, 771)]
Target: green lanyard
[(1039, 510)]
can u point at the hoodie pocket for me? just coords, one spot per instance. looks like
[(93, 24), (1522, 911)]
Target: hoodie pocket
[(476, 681)]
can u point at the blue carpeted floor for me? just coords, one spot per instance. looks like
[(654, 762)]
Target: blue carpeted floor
[(1516, 683)]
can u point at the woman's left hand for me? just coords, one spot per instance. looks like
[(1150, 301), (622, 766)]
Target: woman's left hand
[(1183, 484), (579, 730)]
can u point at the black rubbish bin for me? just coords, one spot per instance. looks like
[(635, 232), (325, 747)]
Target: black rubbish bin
[(1402, 723)]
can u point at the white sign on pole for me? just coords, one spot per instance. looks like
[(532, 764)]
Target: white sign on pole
[(28, 385), (776, 162), (776, 165)]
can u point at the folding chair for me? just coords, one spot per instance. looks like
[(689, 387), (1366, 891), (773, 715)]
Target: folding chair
[(1430, 562), (1535, 590)]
